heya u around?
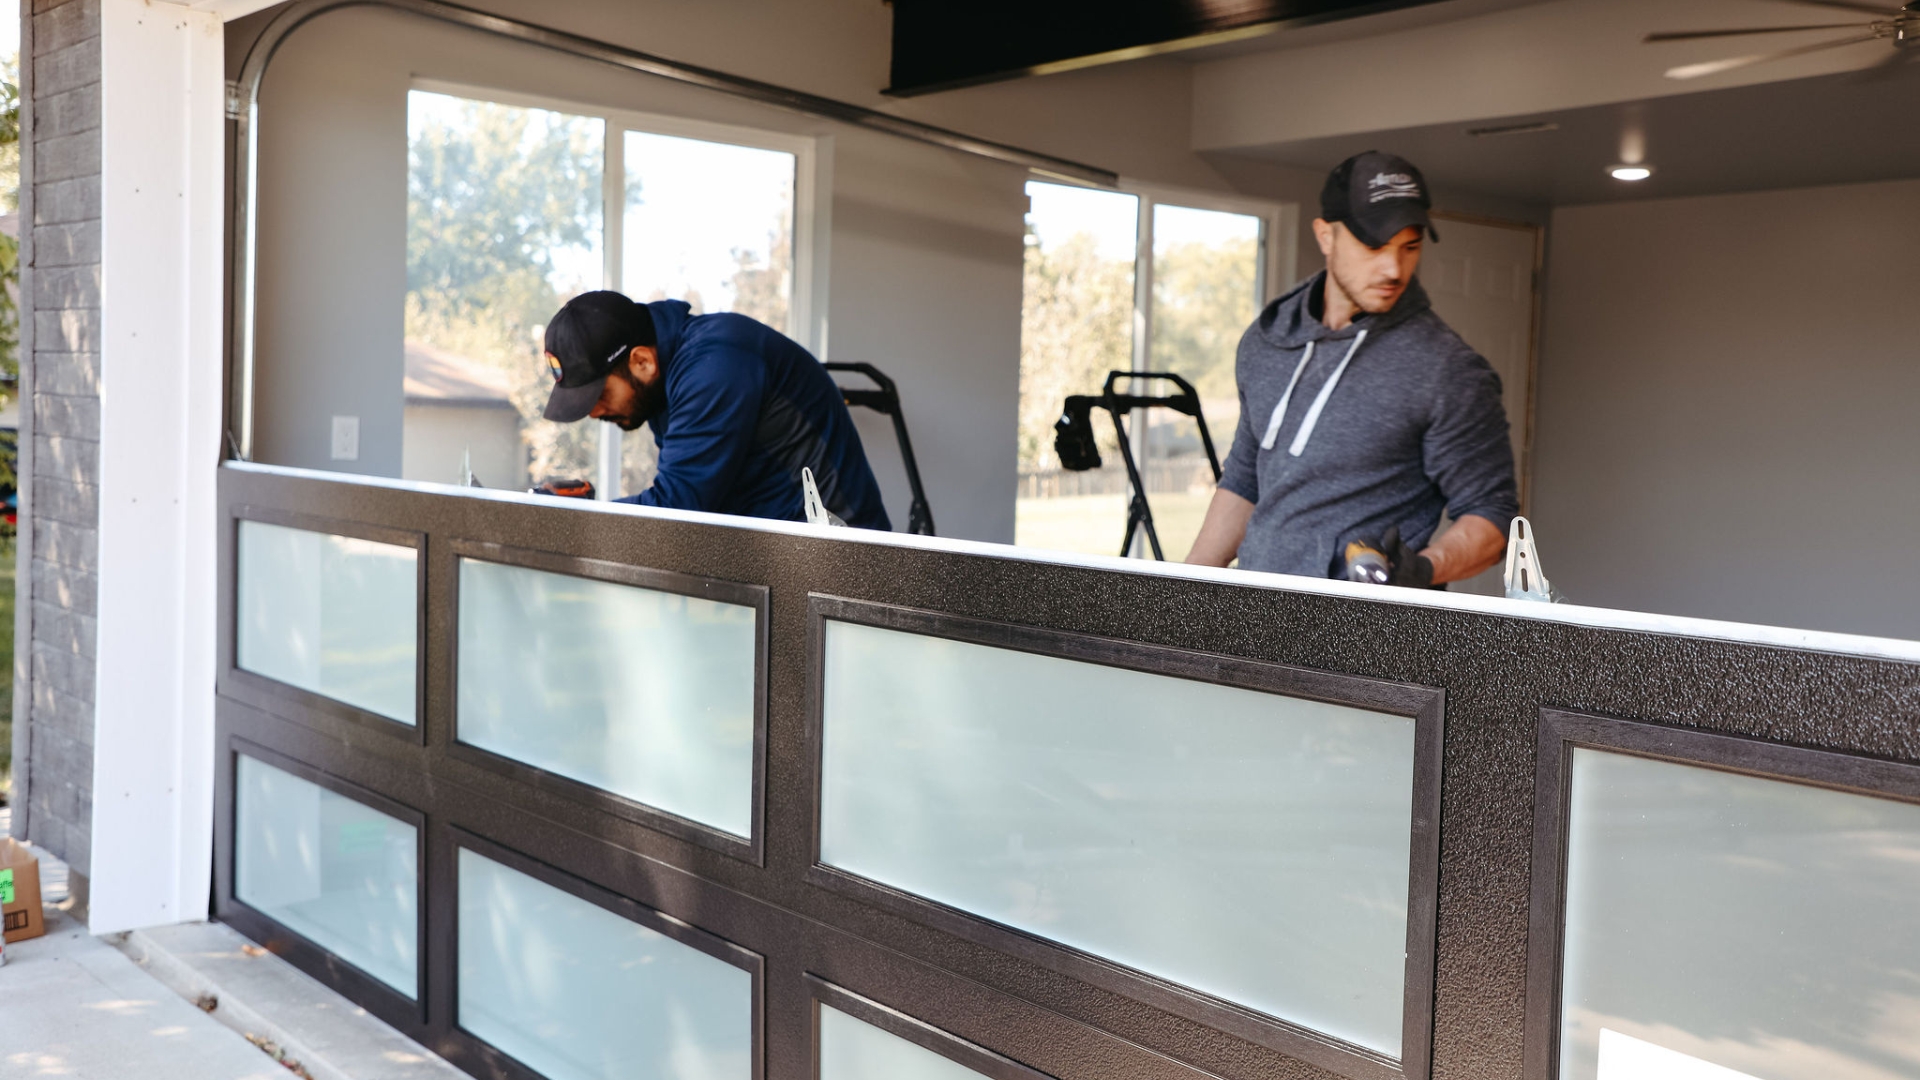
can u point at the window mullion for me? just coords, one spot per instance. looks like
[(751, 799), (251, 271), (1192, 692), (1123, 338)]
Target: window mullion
[(613, 219), (1143, 288), (613, 215), (1139, 421)]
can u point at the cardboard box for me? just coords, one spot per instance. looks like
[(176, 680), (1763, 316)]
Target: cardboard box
[(20, 891)]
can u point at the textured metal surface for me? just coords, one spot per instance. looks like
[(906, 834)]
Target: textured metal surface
[(1560, 733), (1497, 674), (447, 564), (972, 1055), (1424, 705), (478, 1057), (376, 996), (246, 686)]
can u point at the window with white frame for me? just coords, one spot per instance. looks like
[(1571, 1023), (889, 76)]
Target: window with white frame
[(513, 208), (1132, 281)]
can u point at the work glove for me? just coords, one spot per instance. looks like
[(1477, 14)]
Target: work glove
[(1406, 567)]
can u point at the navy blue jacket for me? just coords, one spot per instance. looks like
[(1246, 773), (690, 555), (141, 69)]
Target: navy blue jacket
[(746, 408)]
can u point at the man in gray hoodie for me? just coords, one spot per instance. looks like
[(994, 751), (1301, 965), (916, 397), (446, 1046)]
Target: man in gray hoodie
[(1362, 416)]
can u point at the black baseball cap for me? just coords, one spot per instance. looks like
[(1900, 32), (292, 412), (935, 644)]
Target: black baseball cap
[(586, 340), (1376, 195)]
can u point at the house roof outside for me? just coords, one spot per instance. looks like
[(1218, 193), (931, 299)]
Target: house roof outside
[(438, 377)]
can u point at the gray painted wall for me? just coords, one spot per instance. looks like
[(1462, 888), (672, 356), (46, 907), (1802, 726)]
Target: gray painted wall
[(332, 222), (1726, 411), (61, 432), (924, 273)]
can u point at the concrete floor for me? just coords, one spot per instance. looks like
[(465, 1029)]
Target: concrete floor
[(73, 1006), (189, 1002)]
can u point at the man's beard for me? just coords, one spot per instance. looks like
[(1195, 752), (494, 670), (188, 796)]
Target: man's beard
[(646, 401), (1357, 292)]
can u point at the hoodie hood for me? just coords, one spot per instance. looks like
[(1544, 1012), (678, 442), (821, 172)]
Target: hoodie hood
[(1289, 322), (1346, 433), (670, 319)]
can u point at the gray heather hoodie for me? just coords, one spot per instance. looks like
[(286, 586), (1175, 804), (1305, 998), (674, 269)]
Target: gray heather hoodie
[(1387, 422)]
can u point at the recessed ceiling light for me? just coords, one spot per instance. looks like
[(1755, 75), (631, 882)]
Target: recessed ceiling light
[(1630, 172)]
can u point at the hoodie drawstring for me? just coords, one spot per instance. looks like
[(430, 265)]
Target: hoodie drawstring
[(1319, 402), (1280, 410)]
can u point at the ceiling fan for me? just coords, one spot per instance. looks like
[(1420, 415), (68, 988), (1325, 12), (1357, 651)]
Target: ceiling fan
[(1899, 26)]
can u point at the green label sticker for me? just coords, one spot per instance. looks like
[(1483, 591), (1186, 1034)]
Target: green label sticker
[(6, 886)]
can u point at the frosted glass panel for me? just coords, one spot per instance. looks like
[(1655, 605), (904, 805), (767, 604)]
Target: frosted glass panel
[(852, 1049), (330, 614), (339, 872), (1720, 922), (647, 694), (1249, 845), (576, 992)]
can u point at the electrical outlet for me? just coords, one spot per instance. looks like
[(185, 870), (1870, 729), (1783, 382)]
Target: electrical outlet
[(346, 438)]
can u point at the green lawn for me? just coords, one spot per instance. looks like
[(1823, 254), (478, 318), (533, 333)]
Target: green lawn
[(1093, 524)]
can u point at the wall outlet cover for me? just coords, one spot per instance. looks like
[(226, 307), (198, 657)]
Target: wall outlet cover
[(346, 438)]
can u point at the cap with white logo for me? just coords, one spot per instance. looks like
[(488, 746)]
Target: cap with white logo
[(1377, 195), (586, 340)]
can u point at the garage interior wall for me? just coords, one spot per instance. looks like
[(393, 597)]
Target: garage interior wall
[(1725, 415), (925, 245)]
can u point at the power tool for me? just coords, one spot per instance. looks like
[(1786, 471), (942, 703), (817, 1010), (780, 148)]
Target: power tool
[(563, 486), (1367, 564)]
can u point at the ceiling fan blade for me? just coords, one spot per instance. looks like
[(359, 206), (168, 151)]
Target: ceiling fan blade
[(1852, 5), (1691, 35), (1715, 67)]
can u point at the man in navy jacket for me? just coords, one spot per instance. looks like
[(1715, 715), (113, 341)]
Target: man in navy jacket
[(736, 407)]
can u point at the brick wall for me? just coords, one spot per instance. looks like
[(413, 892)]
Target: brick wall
[(60, 433)]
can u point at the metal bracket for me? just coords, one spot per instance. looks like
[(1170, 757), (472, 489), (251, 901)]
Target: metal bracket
[(1523, 577), (817, 512)]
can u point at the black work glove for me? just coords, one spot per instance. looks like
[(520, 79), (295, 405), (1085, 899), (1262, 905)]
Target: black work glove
[(1410, 569)]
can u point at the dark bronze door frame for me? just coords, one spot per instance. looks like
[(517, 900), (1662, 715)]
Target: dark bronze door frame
[(1008, 1004)]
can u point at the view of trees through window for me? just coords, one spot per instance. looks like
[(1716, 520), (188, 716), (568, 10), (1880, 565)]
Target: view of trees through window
[(675, 245), (507, 219), (504, 224), (1078, 322), (1206, 291)]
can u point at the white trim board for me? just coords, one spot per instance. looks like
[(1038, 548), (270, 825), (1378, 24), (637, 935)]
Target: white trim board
[(163, 131), (1570, 614)]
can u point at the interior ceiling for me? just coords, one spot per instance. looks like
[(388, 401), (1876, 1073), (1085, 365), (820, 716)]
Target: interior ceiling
[(940, 44), (1799, 133), (1282, 38)]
